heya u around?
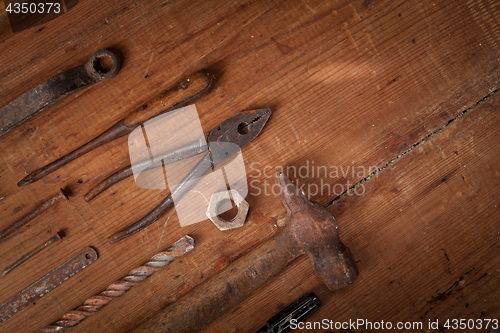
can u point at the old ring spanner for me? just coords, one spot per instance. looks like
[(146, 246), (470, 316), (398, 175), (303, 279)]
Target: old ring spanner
[(55, 89)]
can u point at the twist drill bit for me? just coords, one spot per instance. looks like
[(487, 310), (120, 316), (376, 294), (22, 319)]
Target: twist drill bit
[(118, 288)]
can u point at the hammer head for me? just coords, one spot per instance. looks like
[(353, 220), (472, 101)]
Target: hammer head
[(315, 230)]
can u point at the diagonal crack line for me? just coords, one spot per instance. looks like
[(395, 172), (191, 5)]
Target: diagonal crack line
[(421, 142)]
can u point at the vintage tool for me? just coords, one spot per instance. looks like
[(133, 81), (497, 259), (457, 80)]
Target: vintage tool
[(41, 287), (299, 310), (182, 94), (116, 289), (55, 89), (53, 239), (311, 229), (108, 182), (189, 150), (39, 210), (248, 122)]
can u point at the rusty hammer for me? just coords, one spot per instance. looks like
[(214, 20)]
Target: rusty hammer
[(311, 229)]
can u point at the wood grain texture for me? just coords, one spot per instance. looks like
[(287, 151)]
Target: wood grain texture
[(426, 235), (350, 83)]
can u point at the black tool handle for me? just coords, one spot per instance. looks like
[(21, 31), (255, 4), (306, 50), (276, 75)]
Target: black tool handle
[(299, 310)]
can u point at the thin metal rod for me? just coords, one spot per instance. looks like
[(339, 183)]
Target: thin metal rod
[(116, 289), (189, 150), (59, 235), (201, 168), (182, 94), (39, 210)]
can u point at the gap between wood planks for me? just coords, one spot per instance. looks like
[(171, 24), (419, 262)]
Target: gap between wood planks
[(422, 141)]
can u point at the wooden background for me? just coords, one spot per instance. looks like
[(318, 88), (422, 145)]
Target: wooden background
[(406, 87)]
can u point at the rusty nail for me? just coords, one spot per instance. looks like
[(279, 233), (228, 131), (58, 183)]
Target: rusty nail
[(53, 239), (39, 210)]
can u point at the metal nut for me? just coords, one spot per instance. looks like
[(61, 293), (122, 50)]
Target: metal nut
[(238, 220)]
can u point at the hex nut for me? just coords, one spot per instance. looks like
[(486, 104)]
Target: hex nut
[(238, 220)]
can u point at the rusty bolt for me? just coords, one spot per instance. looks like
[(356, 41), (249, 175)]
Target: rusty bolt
[(213, 210)]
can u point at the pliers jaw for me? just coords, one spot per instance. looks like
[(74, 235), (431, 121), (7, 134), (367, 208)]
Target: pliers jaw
[(236, 132), (241, 128)]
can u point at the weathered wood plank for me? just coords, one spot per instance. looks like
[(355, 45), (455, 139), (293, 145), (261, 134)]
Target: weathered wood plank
[(425, 233), (350, 85)]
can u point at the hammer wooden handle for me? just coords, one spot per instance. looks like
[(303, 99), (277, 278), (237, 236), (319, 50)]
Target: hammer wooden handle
[(227, 288), (311, 229)]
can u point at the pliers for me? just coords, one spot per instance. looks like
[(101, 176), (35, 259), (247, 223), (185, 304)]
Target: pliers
[(239, 130)]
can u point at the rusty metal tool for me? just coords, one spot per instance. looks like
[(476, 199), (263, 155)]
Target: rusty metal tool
[(311, 229), (240, 130), (59, 235), (298, 311), (183, 93), (117, 289), (53, 279), (55, 89), (39, 210), (189, 150)]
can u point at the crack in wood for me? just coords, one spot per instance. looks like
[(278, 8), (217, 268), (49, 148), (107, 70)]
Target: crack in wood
[(419, 143)]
